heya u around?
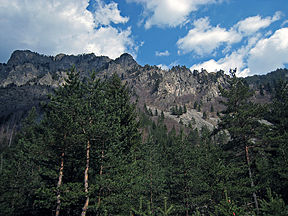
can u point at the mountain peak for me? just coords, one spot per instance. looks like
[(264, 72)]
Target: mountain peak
[(126, 60), (22, 56)]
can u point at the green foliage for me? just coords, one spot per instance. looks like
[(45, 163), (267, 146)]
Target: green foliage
[(166, 210), (175, 110), (261, 91), (273, 171), (212, 108), (156, 86), (204, 115), (227, 207), (92, 110), (274, 206), (195, 105), (162, 116), (184, 109), (196, 172), (147, 210)]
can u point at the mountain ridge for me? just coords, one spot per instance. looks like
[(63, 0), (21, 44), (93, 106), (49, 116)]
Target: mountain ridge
[(28, 77)]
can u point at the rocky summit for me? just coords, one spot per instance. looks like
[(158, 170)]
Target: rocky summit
[(28, 77)]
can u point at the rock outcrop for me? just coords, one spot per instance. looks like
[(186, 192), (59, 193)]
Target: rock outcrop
[(28, 77)]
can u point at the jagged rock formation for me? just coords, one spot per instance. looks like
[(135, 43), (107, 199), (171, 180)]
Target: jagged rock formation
[(28, 77)]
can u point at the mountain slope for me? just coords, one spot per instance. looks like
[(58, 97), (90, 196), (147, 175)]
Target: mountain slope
[(28, 77)]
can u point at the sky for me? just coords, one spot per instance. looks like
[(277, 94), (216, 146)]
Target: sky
[(250, 35)]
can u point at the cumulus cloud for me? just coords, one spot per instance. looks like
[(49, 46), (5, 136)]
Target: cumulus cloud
[(169, 13), (260, 53), (234, 60), (284, 23), (204, 38), (237, 59), (269, 53), (106, 13), (259, 56), (165, 53), (253, 24), (163, 67), (67, 26)]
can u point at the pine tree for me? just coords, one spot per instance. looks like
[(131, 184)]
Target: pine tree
[(241, 119), (65, 119), (261, 91), (184, 109), (19, 178), (204, 115), (212, 108), (156, 112), (120, 140), (79, 156), (272, 167), (195, 105), (162, 117)]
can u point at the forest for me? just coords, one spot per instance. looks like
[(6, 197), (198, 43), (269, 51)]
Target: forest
[(92, 152)]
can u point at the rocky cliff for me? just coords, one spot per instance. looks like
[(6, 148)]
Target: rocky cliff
[(28, 77)]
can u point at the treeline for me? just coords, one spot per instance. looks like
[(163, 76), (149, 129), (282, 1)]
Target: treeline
[(86, 156)]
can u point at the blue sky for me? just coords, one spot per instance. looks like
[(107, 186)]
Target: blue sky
[(251, 35)]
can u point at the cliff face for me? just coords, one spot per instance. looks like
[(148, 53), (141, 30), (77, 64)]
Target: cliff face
[(26, 67), (29, 68), (28, 77)]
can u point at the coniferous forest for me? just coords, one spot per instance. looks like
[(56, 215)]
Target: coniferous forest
[(91, 152)]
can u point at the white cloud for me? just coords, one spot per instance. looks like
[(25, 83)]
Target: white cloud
[(237, 59), (259, 56), (284, 23), (163, 67), (204, 39), (269, 53), (234, 60), (253, 24), (106, 13), (165, 53), (260, 52), (64, 26), (169, 13)]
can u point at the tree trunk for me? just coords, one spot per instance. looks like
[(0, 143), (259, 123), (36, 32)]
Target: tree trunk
[(251, 179), (59, 185), (11, 136), (100, 173), (85, 207), (1, 165), (151, 186), (186, 196), (151, 191)]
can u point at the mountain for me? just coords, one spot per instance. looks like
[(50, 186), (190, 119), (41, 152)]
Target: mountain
[(28, 78)]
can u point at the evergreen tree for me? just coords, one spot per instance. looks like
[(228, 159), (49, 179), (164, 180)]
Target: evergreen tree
[(19, 178), (212, 108), (195, 105), (162, 117), (204, 115), (121, 140), (241, 119), (272, 167), (184, 109), (79, 156), (156, 112), (180, 111), (261, 91)]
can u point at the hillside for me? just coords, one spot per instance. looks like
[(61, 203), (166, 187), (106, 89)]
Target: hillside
[(29, 77), (87, 149)]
